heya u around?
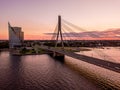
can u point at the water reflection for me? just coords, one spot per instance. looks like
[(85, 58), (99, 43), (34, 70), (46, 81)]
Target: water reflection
[(39, 72)]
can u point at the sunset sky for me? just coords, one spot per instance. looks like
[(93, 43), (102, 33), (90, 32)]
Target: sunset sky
[(40, 16)]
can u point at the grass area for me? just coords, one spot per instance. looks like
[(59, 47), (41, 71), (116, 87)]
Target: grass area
[(31, 51), (74, 49), (37, 50)]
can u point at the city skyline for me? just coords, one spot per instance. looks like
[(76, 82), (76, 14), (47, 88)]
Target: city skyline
[(37, 17)]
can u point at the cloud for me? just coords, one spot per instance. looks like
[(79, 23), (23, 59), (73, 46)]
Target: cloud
[(110, 33)]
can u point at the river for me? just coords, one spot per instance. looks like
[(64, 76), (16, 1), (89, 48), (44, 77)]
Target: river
[(39, 72)]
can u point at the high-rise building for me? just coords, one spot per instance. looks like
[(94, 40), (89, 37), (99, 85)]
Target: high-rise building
[(16, 36)]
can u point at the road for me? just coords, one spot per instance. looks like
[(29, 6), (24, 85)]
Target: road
[(92, 60)]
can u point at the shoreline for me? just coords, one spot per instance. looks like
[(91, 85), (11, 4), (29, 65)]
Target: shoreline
[(15, 54)]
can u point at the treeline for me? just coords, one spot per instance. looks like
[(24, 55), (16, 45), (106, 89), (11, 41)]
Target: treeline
[(68, 43), (4, 44), (86, 43)]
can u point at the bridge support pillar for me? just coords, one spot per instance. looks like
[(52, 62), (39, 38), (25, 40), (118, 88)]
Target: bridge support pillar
[(58, 56)]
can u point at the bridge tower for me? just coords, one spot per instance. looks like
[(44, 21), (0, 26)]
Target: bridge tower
[(59, 33)]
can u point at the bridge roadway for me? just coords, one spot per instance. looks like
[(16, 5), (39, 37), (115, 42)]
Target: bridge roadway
[(92, 60)]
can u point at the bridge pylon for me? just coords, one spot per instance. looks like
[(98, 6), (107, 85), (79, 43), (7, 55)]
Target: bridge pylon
[(59, 33)]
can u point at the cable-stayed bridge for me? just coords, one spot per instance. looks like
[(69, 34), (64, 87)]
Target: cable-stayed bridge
[(62, 36)]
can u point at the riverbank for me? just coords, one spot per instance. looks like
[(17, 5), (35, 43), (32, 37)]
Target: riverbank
[(19, 53), (38, 51)]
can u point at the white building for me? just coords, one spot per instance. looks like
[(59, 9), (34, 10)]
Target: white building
[(16, 36)]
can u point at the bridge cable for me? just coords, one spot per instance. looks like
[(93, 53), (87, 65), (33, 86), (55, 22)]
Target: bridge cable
[(80, 29), (71, 32), (54, 33)]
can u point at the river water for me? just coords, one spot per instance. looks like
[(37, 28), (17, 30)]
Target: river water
[(39, 72)]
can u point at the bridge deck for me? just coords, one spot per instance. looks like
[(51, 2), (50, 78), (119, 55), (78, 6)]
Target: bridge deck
[(98, 62)]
